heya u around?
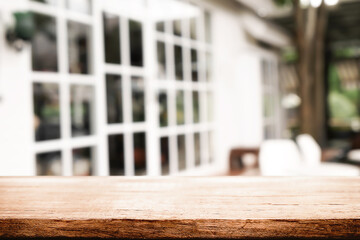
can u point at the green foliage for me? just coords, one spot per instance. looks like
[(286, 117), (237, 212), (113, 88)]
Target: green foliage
[(290, 55), (24, 26), (50, 112), (282, 3), (333, 79), (335, 86), (348, 52), (341, 107), (343, 103)]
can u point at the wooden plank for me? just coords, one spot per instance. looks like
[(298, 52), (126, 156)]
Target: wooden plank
[(140, 207)]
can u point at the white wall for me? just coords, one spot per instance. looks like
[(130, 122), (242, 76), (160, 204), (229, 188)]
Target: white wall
[(251, 95), (15, 114), (227, 39), (250, 99), (237, 72)]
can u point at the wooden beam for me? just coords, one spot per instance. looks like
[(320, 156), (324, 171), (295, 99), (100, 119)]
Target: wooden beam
[(223, 207)]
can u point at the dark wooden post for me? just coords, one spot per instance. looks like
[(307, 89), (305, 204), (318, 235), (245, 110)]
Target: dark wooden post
[(311, 26)]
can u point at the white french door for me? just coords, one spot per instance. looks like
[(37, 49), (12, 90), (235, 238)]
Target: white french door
[(115, 93)]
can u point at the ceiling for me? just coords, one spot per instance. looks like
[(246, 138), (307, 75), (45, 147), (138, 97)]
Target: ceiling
[(343, 21), (266, 8)]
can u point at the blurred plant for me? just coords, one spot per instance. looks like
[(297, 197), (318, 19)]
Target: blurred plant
[(283, 3), (341, 108), (290, 55), (347, 52), (341, 102), (22, 31), (334, 80), (24, 27)]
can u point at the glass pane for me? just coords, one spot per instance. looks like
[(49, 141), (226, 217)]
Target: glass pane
[(180, 113), (181, 152), (48, 164), (160, 26), (196, 107), (268, 101), (50, 2), (208, 27), (82, 110), (81, 6), (194, 65), (210, 106), (161, 60), (140, 153), (193, 28), (177, 27), (112, 38), (164, 146), (197, 149), (211, 147), (114, 99), (116, 154), (163, 110), (46, 111), (79, 48), (178, 63), (264, 70), (208, 67), (268, 131), (138, 99), (44, 44), (82, 161), (136, 43)]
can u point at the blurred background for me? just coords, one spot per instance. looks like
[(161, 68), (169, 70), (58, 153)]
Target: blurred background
[(179, 87)]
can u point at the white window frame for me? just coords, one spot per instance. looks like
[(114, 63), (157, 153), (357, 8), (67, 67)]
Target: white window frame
[(64, 80), (98, 141), (170, 85)]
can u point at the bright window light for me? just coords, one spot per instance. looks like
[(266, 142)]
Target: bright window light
[(331, 2), (315, 3)]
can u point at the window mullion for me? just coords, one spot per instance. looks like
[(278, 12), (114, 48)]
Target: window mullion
[(188, 85), (65, 122), (101, 152), (151, 111), (127, 107)]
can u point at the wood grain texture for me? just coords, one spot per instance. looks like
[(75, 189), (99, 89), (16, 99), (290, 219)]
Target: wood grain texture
[(220, 207)]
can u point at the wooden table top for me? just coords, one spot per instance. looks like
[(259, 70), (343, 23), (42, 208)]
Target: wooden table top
[(179, 207)]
